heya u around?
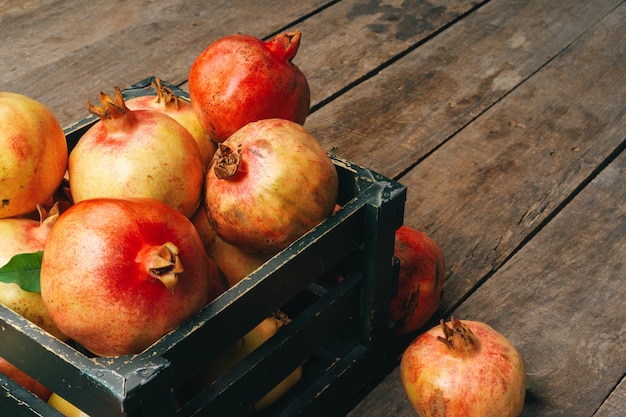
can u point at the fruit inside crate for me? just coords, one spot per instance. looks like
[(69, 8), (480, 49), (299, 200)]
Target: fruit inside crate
[(335, 283)]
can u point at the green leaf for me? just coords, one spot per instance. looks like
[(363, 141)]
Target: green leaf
[(23, 269)]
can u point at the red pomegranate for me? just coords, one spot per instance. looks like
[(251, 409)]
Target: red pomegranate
[(117, 274), (269, 183), (240, 79), (25, 380), (463, 369), (420, 283)]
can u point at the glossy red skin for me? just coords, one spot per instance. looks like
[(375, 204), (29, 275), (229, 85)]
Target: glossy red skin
[(25, 380), (94, 282), (490, 382), (420, 282), (239, 79), (286, 184)]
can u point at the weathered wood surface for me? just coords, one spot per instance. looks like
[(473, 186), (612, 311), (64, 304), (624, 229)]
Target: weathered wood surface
[(514, 167), (563, 294), (521, 159), (615, 405), (506, 120), (413, 106)]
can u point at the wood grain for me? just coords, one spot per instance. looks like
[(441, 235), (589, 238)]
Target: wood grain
[(560, 298), (346, 42), (615, 405), (578, 256), (405, 112), (560, 301), (341, 42), (482, 192)]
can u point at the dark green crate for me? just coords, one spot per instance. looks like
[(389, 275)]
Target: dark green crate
[(340, 331)]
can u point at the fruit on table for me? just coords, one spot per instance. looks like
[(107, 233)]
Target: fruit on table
[(117, 274), (463, 369), (268, 184), (180, 110), (242, 348), (34, 154), (240, 79), (26, 236), (25, 380), (420, 281), (65, 407), (142, 153)]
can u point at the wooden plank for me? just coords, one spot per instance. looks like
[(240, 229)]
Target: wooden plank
[(517, 162), (615, 405), (562, 308), (394, 119), (45, 32), (346, 42), (164, 41), (386, 399), (509, 169), (560, 300)]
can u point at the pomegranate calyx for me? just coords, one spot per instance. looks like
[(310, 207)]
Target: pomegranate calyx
[(165, 265), (285, 44), (227, 161), (164, 94), (111, 108), (459, 338), (47, 218)]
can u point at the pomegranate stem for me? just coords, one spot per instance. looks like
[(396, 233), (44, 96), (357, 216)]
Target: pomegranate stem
[(165, 265), (459, 338)]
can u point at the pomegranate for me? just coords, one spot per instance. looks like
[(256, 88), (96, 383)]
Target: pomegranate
[(142, 153), (235, 263), (200, 221), (240, 79), (269, 183), (180, 110), (117, 274), (25, 380), (34, 154), (243, 347), (463, 369), (65, 407), (420, 283), (23, 236), (232, 261)]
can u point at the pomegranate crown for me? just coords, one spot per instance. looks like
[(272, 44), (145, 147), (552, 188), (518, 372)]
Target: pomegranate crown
[(111, 108)]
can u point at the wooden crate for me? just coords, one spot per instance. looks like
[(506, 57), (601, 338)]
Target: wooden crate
[(340, 330)]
